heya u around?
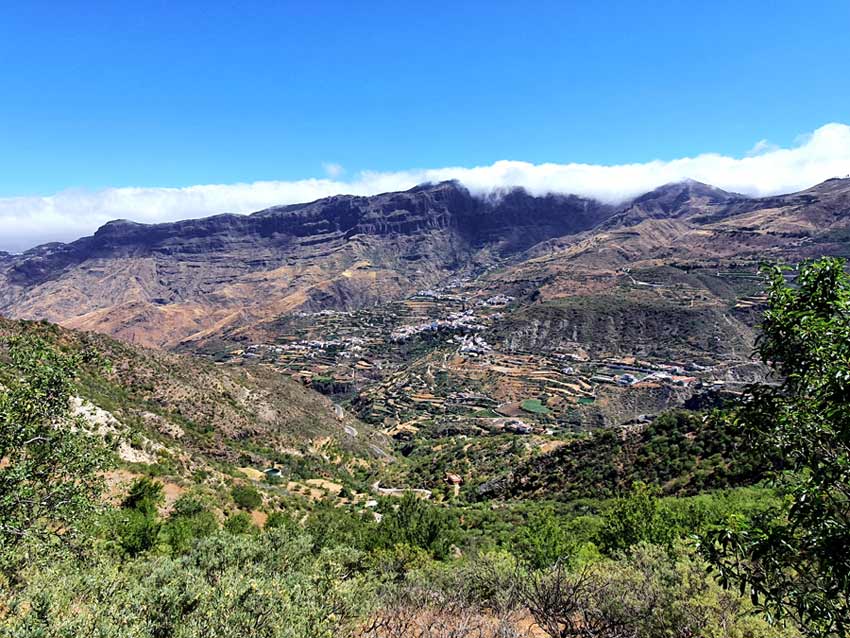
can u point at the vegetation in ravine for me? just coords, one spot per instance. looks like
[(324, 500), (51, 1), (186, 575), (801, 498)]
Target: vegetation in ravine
[(683, 452)]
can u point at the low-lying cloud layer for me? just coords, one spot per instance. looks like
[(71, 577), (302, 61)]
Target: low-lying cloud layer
[(765, 170)]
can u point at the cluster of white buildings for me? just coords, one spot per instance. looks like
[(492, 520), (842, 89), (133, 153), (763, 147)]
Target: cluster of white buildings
[(497, 301), (473, 344), (457, 321)]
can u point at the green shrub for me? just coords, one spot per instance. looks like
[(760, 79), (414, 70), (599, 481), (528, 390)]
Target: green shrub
[(246, 497), (264, 585), (544, 540), (145, 495), (635, 519), (648, 592), (190, 520), (329, 526), (281, 520), (132, 531), (419, 524), (239, 523)]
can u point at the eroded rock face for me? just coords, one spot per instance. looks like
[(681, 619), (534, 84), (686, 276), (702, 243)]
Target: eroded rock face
[(163, 284), (157, 284)]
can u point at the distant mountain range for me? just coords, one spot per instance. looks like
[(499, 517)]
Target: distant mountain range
[(184, 282)]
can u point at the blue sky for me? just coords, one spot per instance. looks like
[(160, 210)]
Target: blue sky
[(178, 93), (100, 95)]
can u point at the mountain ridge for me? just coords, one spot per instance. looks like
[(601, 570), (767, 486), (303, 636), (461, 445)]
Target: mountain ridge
[(687, 185), (347, 251), (160, 284)]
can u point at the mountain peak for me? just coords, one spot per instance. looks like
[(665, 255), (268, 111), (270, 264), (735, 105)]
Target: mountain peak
[(117, 224), (445, 185), (686, 189), (831, 185), (672, 200), (349, 252)]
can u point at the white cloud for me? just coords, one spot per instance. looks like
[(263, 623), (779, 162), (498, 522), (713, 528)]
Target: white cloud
[(761, 147), (26, 221), (332, 169)]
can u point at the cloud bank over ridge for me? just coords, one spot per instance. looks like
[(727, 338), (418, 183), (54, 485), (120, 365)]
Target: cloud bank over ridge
[(765, 170)]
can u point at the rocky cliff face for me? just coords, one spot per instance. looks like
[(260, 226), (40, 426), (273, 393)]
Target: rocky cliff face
[(167, 283), (510, 223), (156, 284)]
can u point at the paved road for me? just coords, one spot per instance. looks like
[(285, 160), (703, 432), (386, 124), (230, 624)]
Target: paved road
[(398, 491)]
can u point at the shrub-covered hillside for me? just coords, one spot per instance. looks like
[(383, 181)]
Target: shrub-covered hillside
[(684, 549), (181, 416), (680, 451)]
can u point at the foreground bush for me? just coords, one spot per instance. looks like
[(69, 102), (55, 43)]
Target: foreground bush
[(226, 586), (50, 464), (646, 594), (273, 584)]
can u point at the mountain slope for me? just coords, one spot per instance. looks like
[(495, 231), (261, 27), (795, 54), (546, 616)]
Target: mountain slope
[(184, 414), (677, 200), (190, 281), (495, 327), (158, 284)]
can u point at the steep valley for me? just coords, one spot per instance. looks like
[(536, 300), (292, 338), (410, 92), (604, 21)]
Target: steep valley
[(434, 319), (203, 426)]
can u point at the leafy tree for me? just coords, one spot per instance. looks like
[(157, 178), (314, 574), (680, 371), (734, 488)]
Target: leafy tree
[(280, 520), (189, 520), (50, 463), (188, 506), (419, 524), (246, 497), (136, 526), (797, 563), (636, 518), (544, 540), (239, 523), (145, 495), (331, 526), (133, 531)]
